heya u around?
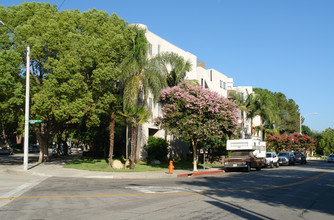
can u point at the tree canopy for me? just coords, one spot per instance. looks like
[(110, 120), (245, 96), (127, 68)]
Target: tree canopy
[(327, 140), (276, 111), (75, 61), (295, 142)]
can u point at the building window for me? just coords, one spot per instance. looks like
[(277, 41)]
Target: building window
[(224, 85), (158, 49), (229, 85), (221, 84), (159, 108), (202, 82), (150, 49), (211, 75), (150, 103)]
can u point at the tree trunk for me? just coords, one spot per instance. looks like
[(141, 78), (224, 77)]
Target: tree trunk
[(44, 137), (194, 144), (242, 125), (139, 135), (4, 136), (133, 146), (18, 139), (43, 153), (127, 142), (111, 138), (262, 134)]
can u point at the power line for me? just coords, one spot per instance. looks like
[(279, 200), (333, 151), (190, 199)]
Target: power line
[(61, 5)]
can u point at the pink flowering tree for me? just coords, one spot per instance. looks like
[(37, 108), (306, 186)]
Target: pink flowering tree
[(277, 142), (295, 142), (301, 142), (197, 114)]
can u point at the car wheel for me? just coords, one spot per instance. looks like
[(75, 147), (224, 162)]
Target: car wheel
[(271, 165), (277, 164), (248, 168), (259, 167)]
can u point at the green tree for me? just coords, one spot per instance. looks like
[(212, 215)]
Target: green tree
[(327, 140), (198, 114), (264, 107), (173, 67), (11, 93), (74, 59), (239, 99), (135, 116), (139, 75), (251, 108), (288, 113)]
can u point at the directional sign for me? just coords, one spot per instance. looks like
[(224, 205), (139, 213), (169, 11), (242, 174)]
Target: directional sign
[(35, 121)]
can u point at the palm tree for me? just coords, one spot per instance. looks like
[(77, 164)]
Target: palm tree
[(251, 110), (263, 106), (173, 66), (139, 75), (241, 102), (135, 116)]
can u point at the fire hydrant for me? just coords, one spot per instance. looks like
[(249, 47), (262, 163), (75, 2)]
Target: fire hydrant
[(171, 167)]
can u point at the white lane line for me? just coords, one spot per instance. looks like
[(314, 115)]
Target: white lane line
[(161, 189), (20, 188)]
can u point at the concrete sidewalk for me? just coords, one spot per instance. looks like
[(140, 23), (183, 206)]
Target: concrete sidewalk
[(55, 169)]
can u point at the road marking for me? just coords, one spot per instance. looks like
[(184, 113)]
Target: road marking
[(18, 189), (172, 193), (161, 189)]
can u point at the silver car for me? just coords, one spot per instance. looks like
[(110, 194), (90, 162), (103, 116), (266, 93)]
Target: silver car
[(330, 158), (286, 158)]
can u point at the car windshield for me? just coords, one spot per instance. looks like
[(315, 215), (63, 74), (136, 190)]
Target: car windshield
[(332, 155), (240, 153), (268, 155), (298, 154), (283, 154)]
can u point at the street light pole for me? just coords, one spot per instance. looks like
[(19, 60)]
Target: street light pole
[(26, 117), (300, 120)]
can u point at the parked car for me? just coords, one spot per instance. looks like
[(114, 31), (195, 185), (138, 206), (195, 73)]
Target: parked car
[(31, 149), (36, 148), (300, 157), (330, 158), (271, 160), (6, 150), (286, 158)]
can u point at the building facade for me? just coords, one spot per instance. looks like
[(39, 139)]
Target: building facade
[(207, 78)]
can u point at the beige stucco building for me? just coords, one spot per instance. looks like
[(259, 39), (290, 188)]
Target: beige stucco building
[(208, 78)]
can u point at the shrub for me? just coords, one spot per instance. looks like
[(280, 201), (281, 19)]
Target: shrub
[(156, 148)]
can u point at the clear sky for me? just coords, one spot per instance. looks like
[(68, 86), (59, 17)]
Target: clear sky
[(281, 45)]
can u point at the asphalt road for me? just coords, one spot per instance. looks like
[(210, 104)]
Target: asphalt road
[(296, 192)]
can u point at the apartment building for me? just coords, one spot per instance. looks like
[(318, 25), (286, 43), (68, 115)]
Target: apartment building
[(208, 78)]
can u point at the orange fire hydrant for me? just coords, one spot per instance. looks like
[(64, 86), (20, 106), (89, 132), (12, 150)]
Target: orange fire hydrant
[(171, 167)]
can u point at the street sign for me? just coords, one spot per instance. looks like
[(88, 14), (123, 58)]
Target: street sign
[(35, 121)]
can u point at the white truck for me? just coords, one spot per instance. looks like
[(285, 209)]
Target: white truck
[(245, 154)]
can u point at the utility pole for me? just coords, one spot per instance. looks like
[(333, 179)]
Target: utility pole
[(26, 117)]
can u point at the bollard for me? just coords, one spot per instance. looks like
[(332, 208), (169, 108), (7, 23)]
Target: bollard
[(171, 167)]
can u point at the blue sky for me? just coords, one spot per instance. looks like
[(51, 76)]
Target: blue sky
[(284, 45)]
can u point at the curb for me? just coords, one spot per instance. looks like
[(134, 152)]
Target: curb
[(200, 173)]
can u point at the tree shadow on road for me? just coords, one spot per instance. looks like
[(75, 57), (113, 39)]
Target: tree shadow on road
[(304, 190)]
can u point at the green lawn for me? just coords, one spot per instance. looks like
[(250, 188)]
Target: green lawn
[(102, 165)]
